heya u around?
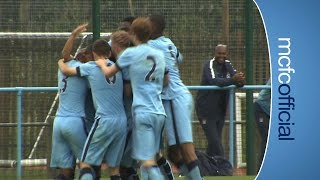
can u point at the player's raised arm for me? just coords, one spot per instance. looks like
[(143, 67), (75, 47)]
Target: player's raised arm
[(65, 69), (66, 51)]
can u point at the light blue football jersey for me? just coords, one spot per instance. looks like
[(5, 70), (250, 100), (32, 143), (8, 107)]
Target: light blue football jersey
[(175, 85), (145, 66), (107, 92), (73, 92)]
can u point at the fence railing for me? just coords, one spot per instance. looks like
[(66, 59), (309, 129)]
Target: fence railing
[(21, 90), (232, 90)]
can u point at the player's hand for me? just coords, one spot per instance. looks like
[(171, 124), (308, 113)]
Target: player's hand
[(242, 76), (239, 77), (100, 62), (80, 29), (60, 61)]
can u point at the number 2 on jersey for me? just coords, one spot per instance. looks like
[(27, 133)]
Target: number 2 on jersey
[(150, 74)]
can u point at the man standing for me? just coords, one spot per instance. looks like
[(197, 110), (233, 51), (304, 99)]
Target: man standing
[(211, 105)]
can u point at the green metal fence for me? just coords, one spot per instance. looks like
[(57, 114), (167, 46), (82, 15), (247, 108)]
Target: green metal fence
[(44, 156)]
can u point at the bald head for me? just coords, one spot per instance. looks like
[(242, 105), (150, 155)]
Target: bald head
[(220, 53), (223, 46)]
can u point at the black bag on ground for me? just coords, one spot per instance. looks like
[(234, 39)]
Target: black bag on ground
[(214, 166)]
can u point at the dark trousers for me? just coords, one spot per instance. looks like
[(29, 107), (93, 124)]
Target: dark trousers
[(212, 128), (262, 121)]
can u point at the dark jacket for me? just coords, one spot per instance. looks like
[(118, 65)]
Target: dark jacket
[(210, 103)]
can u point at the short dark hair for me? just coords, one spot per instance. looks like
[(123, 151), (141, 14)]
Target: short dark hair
[(101, 47), (128, 19), (126, 23), (158, 25), (80, 54)]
